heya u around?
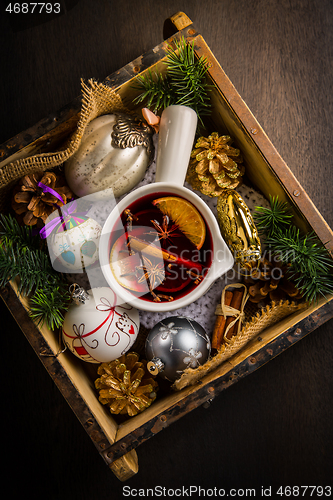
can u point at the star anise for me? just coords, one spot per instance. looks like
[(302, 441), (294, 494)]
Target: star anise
[(125, 385), (165, 231), (34, 202), (152, 273)]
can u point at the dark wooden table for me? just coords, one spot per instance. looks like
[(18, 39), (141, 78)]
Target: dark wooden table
[(275, 427)]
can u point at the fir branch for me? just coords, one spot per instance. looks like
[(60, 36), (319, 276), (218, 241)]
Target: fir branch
[(184, 83), (157, 91), (188, 77), (270, 220), (305, 253), (22, 258), (49, 306), (311, 267), (12, 232), (32, 267), (310, 264), (312, 287)]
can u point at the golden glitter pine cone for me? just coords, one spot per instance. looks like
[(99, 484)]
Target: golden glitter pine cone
[(125, 385), (32, 203), (215, 165)]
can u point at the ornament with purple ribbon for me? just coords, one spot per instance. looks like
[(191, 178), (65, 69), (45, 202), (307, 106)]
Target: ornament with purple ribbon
[(72, 239)]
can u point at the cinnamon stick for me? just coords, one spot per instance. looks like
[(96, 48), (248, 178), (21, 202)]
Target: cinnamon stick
[(219, 327), (153, 251), (236, 304)]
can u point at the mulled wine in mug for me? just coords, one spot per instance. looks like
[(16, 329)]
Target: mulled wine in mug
[(161, 246)]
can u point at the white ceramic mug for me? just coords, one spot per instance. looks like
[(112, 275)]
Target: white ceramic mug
[(176, 136)]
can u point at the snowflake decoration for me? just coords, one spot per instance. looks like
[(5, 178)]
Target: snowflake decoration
[(192, 358), (167, 331)]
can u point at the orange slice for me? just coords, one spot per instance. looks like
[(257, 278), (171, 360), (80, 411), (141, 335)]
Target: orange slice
[(186, 216)]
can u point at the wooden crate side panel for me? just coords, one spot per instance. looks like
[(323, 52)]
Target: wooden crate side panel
[(45, 136)]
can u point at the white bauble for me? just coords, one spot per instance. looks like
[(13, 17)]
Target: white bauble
[(76, 247), (115, 152), (99, 330)]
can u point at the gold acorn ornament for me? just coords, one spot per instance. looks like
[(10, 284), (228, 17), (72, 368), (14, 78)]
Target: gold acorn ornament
[(125, 385), (238, 229), (215, 165)]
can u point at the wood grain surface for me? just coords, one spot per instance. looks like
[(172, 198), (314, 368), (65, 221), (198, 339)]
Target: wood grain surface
[(275, 427)]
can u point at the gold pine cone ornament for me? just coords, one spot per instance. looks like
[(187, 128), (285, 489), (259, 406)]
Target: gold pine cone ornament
[(125, 385), (215, 165)]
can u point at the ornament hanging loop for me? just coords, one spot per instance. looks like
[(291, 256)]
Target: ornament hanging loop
[(78, 294), (155, 366)]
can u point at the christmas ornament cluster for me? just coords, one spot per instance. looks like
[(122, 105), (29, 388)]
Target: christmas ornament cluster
[(52, 238)]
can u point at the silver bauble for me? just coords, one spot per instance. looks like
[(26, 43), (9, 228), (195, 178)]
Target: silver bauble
[(115, 151), (174, 344)]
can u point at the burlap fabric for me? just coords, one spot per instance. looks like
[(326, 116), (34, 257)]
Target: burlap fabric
[(269, 315), (97, 100)]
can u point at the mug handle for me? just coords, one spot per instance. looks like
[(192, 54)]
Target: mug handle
[(175, 141)]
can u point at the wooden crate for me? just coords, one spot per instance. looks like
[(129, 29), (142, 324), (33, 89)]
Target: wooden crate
[(115, 442)]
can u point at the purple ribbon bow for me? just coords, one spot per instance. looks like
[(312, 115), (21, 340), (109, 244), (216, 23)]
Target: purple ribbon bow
[(47, 189), (66, 210)]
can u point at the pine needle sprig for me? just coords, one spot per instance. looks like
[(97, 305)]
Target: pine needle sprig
[(183, 84), (305, 253), (157, 91), (23, 259), (270, 220), (310, 265), (12, 232), (32, 267), (188, 77), (49, 306)]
